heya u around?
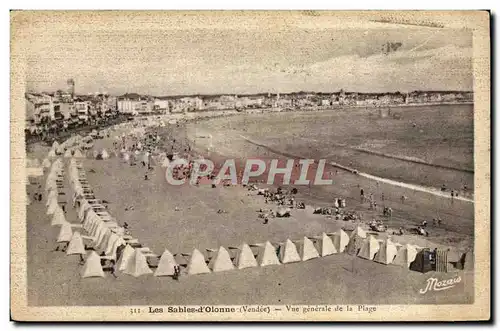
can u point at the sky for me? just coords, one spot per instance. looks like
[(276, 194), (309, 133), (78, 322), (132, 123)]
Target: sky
[(189, 55)]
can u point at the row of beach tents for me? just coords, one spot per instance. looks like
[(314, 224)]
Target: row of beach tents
[(134, 261), (103, 234)]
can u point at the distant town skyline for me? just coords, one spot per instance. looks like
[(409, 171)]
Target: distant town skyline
[(187, 58)]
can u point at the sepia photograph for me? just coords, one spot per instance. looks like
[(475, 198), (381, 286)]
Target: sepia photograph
[(250, 165)]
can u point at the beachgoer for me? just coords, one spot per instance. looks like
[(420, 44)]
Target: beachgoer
[(61, 246)]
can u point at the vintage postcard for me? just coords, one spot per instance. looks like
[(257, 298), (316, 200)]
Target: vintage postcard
[(250, 165)]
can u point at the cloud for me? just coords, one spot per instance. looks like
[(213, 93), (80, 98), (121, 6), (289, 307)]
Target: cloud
[(202, 62), (447, 67)]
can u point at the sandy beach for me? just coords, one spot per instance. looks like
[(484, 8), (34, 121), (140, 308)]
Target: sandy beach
[(185, 217)]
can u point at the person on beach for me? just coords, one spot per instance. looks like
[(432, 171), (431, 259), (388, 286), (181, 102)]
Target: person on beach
[(177, 272), (61, 246)]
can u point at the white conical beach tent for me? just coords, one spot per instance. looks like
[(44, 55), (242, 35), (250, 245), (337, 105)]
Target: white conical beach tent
[(245, 257), (369, 248), (138, 265), (126, 157), (340, 240), (405, 256), (167, 264), (65, 233), (356, 241), (101, 235), (52, 207), (221, 261), (127, 254), (288, 252), (307, 251), (104, 154), (78, 154), (197, 264), (46, 163), (267, 255), (51, 154), (386, 253), (114, 242), (50, 186), (104, 242), (92, 224), (359, 232), (68, 153), (325, 245), (76, 246), (92, 267), (111, 251), (51, 197), (58, 217)]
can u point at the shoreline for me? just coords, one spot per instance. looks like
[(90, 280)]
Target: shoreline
[(209, 114), (415, 187)]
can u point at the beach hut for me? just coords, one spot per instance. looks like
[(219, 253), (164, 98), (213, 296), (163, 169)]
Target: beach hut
[(92, 267), (267, 255), (167, 264), (288, 252), (221, 261), (245, 258)]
